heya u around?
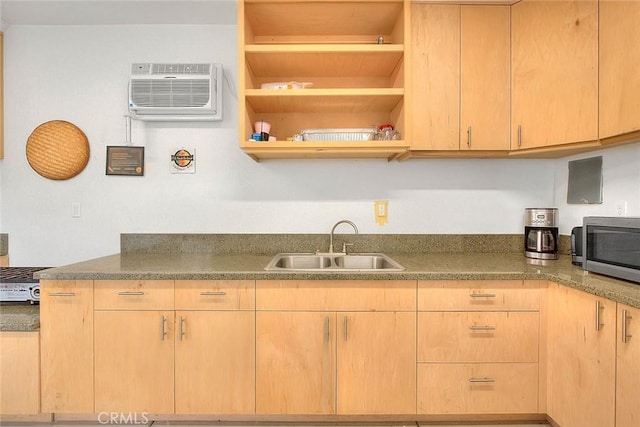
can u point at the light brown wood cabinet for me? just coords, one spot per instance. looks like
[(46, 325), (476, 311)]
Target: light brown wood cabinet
[(19, 372), (203, 352), (357, 82), (215, 347), (435, 77), (581, 360), (345, 347), (478, 347), (134, 323), (628, 367), (66, 337), (619, 53), (554, 73), (460, 64)]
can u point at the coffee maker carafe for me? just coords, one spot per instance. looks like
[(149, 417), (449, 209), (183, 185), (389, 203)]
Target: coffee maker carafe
[(541, 233)]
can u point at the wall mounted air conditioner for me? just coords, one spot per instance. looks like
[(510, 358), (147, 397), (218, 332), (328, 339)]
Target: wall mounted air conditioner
[(175, 92)]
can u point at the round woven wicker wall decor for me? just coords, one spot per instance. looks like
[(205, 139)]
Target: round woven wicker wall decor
[(58, 150)]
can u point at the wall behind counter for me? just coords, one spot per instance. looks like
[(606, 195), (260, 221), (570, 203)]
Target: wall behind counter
[(80, 74)]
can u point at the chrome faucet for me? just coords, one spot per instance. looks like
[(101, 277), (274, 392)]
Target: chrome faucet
[(344, 221)]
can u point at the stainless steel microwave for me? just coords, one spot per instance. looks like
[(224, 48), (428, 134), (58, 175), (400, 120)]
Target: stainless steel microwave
[(611, 246)]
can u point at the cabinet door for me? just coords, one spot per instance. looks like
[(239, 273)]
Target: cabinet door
[(377, 363), (628, 367), (554, 72), (485, 41), (295, 362), (134, 353), (435, 75), (581, 358), (619, 65), (215, 362), (66, 337)]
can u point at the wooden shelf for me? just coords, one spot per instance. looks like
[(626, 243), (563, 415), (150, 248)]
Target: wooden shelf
[(325, 150), (357, 82)]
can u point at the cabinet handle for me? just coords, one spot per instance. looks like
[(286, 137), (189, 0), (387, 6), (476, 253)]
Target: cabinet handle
[(327, 329), (469, 137), (475, 295), (62, 294), (131, 293), (482, 328), (519, 135), (484, 380), (346, 328), (181, 328), (213, 293), (625, 318), (163, 320), (599, 308)]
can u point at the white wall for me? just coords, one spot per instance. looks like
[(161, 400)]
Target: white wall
[(621, 182), (80, 74)]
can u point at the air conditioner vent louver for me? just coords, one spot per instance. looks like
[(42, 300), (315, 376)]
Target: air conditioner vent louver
[(175, 91), (170, 93)]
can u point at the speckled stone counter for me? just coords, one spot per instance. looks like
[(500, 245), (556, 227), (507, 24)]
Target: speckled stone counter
[(4, 244), (22, 317), (419, 266)]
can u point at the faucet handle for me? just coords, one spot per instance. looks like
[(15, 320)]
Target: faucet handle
[(344, 247)]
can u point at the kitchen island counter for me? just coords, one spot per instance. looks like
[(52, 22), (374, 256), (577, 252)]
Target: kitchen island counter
[(421, 266)]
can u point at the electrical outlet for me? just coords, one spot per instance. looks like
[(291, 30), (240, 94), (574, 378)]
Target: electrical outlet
[(381, 210), (75, 210), (621, 208)]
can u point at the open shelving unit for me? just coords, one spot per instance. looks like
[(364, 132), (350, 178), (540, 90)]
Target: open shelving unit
[(357, 82)]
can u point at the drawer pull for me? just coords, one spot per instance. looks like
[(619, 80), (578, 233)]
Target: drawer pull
[(599, 308), (181, 328), (162, 330), (130, 293), (62, 294), (484, 380), (625, 317), (475, 295), (482, 328), (212, 293)]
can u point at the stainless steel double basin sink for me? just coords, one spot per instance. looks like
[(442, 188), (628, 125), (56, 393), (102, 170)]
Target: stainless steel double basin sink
[(337, 262)]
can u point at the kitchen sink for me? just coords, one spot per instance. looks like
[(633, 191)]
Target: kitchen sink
[(333, 262)]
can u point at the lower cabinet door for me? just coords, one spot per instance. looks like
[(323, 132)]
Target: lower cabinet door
[(628, 367), (377, 363), (295, 362), (477, 388), (215, 362), (134, 353)]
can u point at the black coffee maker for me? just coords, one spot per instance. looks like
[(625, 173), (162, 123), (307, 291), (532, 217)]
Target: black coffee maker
[(541, 233)]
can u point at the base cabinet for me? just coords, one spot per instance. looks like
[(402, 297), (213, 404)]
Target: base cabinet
[(478, 347), (125, 344), (19, 372), (66, 339), (335, 347), (581, 367)]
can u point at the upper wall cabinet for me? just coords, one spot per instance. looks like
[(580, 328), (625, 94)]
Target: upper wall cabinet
[(554, 73), (351, 52), (619, 65), (460, 78)]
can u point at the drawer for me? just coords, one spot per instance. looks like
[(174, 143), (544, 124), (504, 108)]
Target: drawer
[(133, 294), (456, 295), (215, 295), (478, 388), (478, 336), (336, 295)]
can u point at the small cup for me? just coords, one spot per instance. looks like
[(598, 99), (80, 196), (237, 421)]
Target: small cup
[(262, 127), (264, 136)]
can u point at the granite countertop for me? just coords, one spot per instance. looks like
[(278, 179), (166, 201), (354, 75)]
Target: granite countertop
[(19, 317), (419, 266)]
